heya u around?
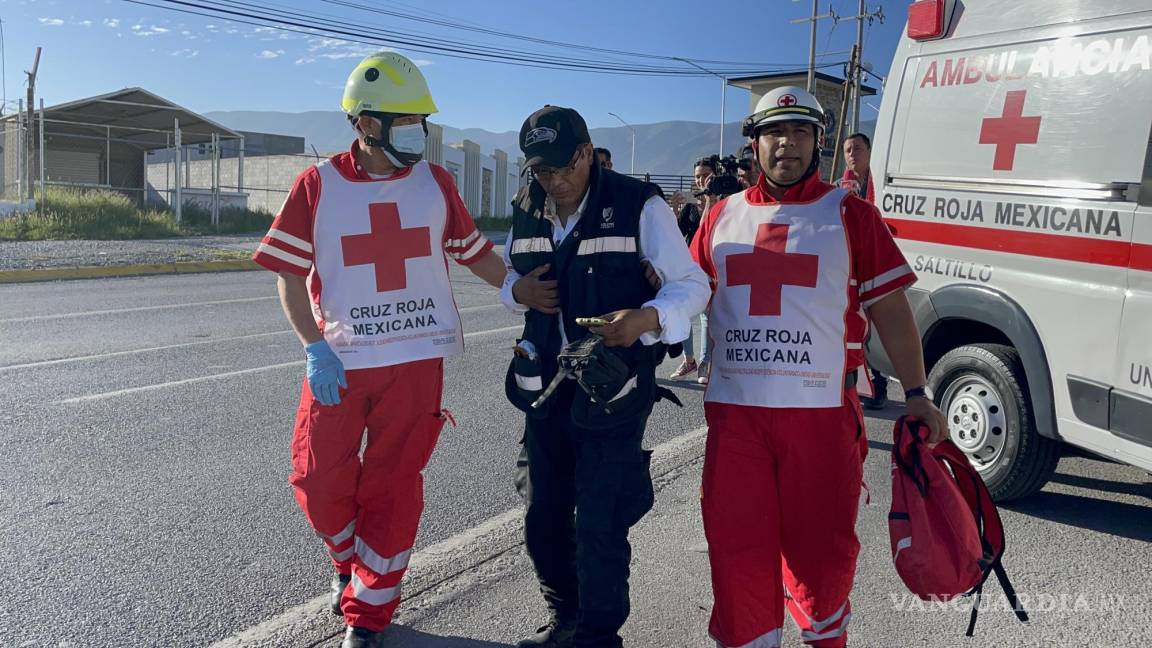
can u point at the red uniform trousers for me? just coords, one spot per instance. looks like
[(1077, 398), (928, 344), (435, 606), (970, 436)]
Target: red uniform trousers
[(367, 510), (780, 497)]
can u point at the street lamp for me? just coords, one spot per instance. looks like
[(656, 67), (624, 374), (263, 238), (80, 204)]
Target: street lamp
[(723, 96), (632, 171)]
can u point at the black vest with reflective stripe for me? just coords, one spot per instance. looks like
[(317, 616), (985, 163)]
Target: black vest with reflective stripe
[(598, 266)]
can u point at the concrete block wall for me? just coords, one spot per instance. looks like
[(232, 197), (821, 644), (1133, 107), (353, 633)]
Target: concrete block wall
[(268, 179)]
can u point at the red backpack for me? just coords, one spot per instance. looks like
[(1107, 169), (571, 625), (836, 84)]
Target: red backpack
[(946, 533)]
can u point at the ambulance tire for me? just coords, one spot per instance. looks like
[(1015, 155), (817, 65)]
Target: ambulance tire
[(1025, 460)]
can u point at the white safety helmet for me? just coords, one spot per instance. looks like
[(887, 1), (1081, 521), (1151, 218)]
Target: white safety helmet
[(786, 103)]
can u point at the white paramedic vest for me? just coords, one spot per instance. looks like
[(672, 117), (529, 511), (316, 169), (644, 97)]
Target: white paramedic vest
[(385, 297), (777, 321)]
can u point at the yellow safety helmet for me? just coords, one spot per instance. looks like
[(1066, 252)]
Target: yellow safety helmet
[(387, 82)]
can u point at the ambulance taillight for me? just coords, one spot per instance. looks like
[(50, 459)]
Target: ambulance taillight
[(928, 19)]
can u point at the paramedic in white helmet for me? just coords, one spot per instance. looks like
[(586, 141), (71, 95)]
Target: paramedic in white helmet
[(361, 248), (797, 267)]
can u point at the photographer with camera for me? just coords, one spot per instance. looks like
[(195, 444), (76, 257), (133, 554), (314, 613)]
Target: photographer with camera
[(714, 181)]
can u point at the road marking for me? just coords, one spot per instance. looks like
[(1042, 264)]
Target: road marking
[(114, 354), (313, 618), (227, 374), (139, 309)]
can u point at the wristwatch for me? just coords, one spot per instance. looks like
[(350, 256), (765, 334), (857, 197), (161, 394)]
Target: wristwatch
[(918, 391)]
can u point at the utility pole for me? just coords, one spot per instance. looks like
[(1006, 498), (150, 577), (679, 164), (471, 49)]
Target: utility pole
[(856, 71), (841, 132), (816, 16), (3, 73), (30, 140)]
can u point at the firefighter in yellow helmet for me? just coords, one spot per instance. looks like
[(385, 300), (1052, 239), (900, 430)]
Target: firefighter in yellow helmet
[(361, 231)]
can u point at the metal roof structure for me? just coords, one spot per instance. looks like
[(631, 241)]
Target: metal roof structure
[(801, 78), (137, 117)]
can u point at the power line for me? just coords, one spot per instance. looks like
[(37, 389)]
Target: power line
[(427, 38), (522, 37), (319, 29), (250, 13)]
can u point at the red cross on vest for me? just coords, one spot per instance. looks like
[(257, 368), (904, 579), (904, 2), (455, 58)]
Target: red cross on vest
[(1009, 130), (768, 268), (388, 246)]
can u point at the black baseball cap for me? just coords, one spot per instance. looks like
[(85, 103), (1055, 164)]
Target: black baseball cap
[(551, 135)]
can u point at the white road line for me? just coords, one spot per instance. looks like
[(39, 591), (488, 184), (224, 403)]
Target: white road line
[(137, 309), (114, 354), (176, 383), (169, 307), (303, 619), (227, 374)]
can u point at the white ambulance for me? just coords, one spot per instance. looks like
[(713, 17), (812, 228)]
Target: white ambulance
[(1013, 160)]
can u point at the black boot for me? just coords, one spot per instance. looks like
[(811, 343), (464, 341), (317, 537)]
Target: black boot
[(362, 638), (880, 387), (553, 635), (339, 583)]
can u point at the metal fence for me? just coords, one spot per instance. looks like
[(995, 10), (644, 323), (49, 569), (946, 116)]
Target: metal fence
[(19, 171), (42, 152), (670, 183), (252, 178)]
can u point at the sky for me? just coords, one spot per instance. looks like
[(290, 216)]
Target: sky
[(92, 47)]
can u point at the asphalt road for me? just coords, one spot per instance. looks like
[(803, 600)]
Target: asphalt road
[(144, 429), (144, 432)]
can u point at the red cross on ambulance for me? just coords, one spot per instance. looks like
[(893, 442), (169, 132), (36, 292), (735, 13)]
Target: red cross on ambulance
[(1010, 130), (387, 247)]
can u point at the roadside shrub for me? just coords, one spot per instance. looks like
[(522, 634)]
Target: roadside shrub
[(108, 215)]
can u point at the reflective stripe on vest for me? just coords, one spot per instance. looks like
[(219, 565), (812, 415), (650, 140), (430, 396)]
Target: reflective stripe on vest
[(529, 245), (607, 244)]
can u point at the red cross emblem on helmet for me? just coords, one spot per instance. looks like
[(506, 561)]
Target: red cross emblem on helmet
[(786, 100)]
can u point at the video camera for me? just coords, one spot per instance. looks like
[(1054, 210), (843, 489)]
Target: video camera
[(719, 186)]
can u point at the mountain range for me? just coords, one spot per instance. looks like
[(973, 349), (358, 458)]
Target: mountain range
[(668, 147)]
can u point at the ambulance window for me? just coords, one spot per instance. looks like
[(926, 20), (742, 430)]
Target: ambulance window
[(1037, 112)]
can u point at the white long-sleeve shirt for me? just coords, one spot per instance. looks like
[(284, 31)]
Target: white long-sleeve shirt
[(684, 291)]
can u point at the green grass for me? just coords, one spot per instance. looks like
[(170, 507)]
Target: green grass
[(107, 215), (494, 223)]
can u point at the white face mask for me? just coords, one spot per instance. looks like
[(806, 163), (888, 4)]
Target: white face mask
[(409, 140)]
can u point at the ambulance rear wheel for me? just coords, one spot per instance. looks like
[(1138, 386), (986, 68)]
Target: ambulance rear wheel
[(981, 390)]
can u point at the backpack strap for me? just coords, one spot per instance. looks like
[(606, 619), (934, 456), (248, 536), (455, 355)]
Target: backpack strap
[(988, 524), (1009, 592)]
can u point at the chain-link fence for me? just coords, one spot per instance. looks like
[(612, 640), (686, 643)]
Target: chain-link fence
[(81, 151)]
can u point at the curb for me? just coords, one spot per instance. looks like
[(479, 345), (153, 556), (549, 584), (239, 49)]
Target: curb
[(99, 272)]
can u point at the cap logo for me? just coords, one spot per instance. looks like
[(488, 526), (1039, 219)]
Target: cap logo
[(541, 134), (786, 100)]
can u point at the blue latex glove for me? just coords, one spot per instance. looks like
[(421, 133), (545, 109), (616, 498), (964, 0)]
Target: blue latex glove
[(325, 373)]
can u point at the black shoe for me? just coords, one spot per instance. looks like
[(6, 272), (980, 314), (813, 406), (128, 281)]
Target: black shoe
[(553, 635), (362, 638), (878, 402), (339, 583)]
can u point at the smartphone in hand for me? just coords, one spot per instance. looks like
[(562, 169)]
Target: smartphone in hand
[(590, 322)]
